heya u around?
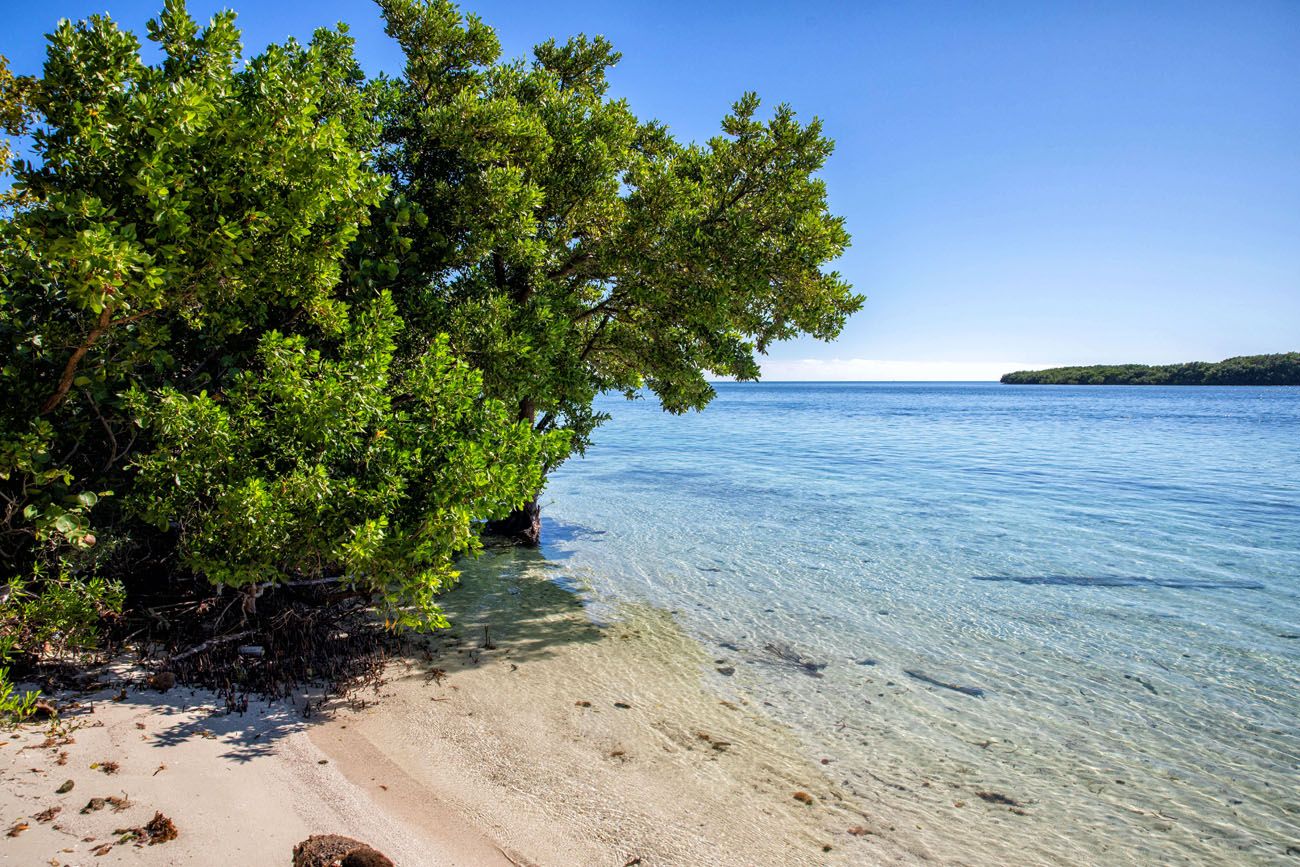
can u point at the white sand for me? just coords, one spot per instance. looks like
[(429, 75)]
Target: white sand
[(240, 789)]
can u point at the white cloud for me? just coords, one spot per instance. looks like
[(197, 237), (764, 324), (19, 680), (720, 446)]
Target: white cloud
[(878, 370)]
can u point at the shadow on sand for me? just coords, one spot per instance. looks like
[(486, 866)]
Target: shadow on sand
[(510, 599), (510, 602)]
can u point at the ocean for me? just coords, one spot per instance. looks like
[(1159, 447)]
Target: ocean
[(1043, 624)]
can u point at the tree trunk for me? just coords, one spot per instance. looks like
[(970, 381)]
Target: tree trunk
[(523, 526)]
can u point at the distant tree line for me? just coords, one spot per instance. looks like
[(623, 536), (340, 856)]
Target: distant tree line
[(1278, 369)]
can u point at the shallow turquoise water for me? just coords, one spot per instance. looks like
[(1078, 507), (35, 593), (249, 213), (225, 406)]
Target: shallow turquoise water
[(1115, 570)]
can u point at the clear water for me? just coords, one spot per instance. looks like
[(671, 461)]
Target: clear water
[(1111, 573)]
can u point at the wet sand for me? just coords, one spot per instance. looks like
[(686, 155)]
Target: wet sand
[(573, 743)]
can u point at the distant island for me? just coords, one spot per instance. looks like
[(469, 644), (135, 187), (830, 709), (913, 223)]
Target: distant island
[(1279, 369)]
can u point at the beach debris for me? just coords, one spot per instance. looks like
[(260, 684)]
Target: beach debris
[(726, 670), (96, 804), (622, 705), (859, 831), (582, 702), (48, 814), (786, 653), (65, 788), (43, 709), (973, 691), (159, 829), (102, 849), (106, 767), (803, 797), (488, 644), (62, 759), (631, 862), (998, 798), (251, 650), (162, 681), (328, 850), (18, 828)]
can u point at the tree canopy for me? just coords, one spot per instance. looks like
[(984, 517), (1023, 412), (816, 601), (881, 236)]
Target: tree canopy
[(569, 248), (268, 321), (180, 329)]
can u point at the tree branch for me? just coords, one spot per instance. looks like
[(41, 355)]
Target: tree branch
[(591, 341), (70, 369), (572, 265), (499, 270), (603, 305)]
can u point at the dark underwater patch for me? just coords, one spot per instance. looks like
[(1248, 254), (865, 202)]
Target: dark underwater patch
[(973, 691), (1120, 581)]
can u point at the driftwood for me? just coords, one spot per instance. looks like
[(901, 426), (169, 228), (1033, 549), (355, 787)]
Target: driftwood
[(209, 644)]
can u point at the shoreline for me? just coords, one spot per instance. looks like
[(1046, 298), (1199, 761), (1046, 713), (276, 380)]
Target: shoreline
[(546, 739), (567, 741)]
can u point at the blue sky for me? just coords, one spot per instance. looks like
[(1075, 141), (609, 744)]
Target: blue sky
[(1027, 184)]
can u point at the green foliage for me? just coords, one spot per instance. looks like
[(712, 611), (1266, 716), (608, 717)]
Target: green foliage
[(569, 248), (1278, 369), (309, 458), (49, 615), (265, 321), (176, 329)]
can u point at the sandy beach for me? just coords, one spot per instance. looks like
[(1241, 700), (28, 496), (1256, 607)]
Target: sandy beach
[(527, 734), (239, 788)]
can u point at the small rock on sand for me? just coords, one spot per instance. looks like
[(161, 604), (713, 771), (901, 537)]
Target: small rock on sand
[(162, 681), (327, 850)]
